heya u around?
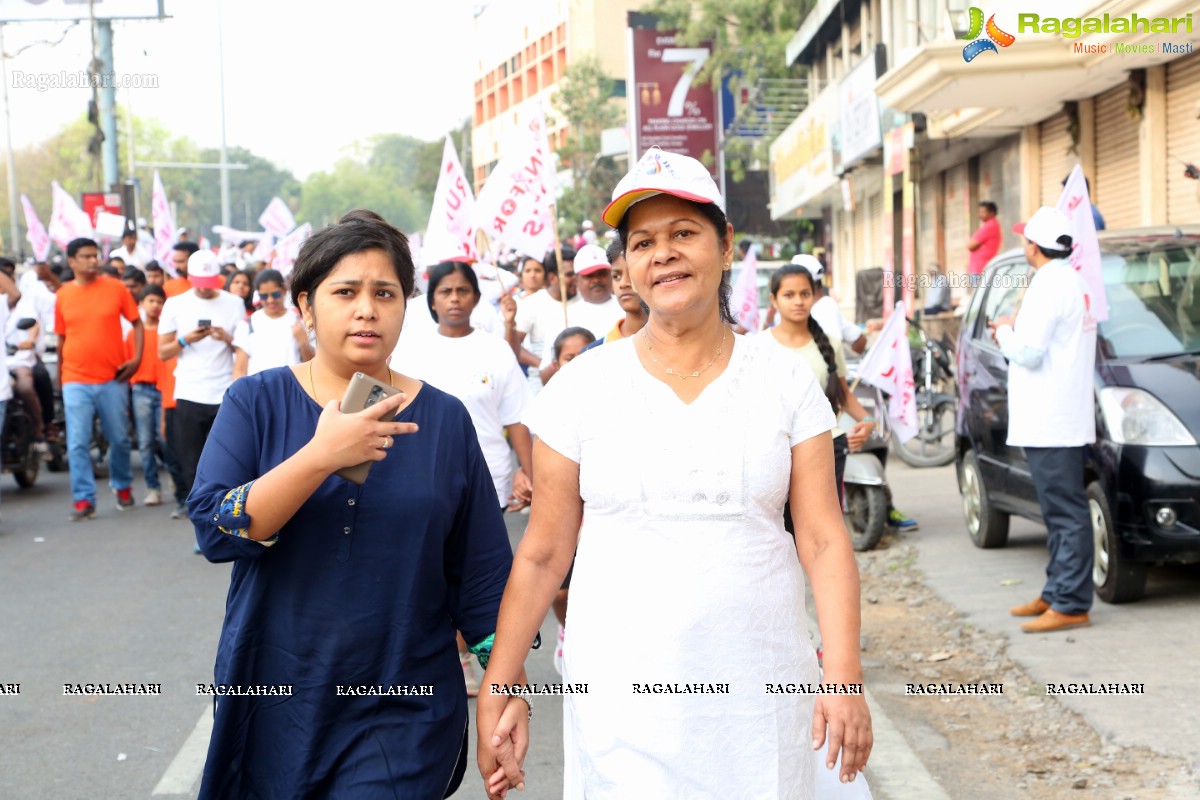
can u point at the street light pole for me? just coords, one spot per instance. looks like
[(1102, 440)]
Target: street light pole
[(17, 245), (225, 212)]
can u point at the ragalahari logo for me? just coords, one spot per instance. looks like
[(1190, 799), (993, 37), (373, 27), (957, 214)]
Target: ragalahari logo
[(994, 37)]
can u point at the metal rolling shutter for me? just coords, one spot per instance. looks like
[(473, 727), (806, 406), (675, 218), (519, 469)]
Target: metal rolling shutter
[(960, 222), (1183, 138), (1056, 156), (1117, 184)]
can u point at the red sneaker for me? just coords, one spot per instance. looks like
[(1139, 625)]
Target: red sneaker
[(83, 510), (124, 499)]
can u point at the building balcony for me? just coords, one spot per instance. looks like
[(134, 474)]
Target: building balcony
[(998, 93)]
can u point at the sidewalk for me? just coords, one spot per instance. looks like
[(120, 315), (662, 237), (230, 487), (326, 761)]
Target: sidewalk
[(1151, 642)]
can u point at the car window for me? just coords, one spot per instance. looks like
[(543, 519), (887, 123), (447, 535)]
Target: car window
[(1153, 303), (1004, 290)]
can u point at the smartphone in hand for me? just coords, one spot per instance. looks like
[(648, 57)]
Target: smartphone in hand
[(362, 393)]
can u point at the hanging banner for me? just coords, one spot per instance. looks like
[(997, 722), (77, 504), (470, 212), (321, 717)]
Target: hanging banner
[(36, 234), (450, 235), (288, 249), (669, 106), (514, 206)]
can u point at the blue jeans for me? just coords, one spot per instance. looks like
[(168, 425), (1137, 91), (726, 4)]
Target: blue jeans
[(83, 402), (147, 413)]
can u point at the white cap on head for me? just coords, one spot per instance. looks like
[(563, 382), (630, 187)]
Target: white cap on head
[(204, 271), (587, 225), (663, 173), (1045, 228), (810, 263), (590, 258)]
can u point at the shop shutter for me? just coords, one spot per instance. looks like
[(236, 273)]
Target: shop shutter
[(1117, 182), (1183, 139), (959, 220), (1057, 160)]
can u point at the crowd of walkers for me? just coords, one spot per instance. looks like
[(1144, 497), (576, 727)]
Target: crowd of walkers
[(666, 462)]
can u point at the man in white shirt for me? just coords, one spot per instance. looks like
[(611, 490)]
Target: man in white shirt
[(599, 310), (1051, 352), (197, 327), (539, 317), (131, 251)]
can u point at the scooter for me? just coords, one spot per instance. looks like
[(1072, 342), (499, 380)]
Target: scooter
[(864, 482)]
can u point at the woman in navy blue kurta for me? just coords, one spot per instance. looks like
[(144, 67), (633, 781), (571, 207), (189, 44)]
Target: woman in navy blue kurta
[(355, 601)]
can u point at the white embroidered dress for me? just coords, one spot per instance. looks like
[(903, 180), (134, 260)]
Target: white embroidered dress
[(685, 578)]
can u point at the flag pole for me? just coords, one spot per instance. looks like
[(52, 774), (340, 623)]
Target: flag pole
[(562, 288)]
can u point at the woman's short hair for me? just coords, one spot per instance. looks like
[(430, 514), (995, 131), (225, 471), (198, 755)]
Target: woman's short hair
[(561, 339), (268, 276), (440, 272), (713, 213), (356, 232)]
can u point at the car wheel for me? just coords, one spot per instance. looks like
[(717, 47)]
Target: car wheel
[(987, 526), (1117, 580)]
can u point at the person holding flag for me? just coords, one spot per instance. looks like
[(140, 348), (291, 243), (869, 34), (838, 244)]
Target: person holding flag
[(1050, 345)]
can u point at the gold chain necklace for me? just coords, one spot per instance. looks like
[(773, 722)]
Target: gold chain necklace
[(683, 376), (313, 386)]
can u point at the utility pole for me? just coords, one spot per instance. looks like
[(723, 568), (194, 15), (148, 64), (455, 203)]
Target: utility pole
[(108, 105), (17, 244), (225, 212)]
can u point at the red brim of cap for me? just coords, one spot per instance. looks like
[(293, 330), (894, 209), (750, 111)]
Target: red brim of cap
[(1019, 229), (615, 211), (212, 282), (591, 269)]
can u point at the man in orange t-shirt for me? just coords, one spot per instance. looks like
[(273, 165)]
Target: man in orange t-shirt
[(180, 254), (93, 371)]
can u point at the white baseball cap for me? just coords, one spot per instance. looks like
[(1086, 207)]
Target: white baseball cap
[(659, 172), (587, 225), (591, 258), (810, 263), (1045, 228), (204, 271)]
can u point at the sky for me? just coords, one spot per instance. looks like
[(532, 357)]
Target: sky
[(303, 81)]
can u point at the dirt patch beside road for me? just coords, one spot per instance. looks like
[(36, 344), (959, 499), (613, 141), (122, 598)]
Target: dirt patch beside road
[(1019, 744)]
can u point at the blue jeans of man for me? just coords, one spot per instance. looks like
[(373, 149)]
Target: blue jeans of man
[(83, 402), (147, 414), (1058, 476)]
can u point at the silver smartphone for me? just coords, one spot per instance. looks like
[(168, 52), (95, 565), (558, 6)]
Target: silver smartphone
[(363, 392)]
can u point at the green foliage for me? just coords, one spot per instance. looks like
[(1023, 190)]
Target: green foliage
[(584, 102), (749, 41)]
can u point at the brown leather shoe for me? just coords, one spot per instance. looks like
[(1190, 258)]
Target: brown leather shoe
[(1053, 621), (1034, 608)]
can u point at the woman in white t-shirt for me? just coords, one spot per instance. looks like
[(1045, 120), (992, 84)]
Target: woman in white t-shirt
[(273, 336), (481, 371), (533, 278)]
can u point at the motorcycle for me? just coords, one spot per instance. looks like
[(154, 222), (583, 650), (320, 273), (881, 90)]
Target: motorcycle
[(17, 452), (934, 444)]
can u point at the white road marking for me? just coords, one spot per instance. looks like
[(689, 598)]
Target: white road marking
[(188, 763)]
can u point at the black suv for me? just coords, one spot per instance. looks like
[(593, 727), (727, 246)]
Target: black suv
[(1143, 473)]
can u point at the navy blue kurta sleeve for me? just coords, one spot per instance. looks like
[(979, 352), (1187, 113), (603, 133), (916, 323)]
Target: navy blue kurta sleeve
[(364, 588)]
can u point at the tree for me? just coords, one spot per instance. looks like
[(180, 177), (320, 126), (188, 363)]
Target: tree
[(584, 100), (749, 39)]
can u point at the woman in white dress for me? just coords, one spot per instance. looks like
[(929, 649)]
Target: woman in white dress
[(687, 599), (274, 335)]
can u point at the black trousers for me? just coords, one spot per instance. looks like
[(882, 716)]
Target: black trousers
[(193, 421)]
